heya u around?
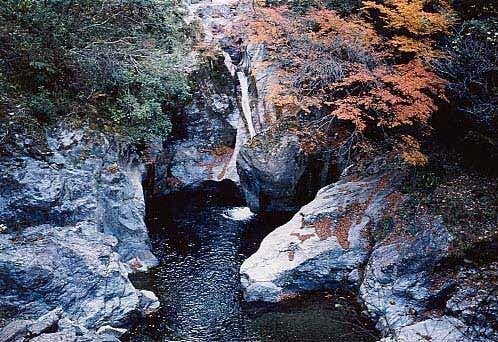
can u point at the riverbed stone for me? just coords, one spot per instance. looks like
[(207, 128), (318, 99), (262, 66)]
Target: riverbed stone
[(149, 303), (15, 330), (45, 322), (73, 268), (63, 336), (399, 283), (322, 246), (441, 329), (111, 332)]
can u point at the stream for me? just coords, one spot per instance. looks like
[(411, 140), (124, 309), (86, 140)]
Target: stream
[(201, 238)]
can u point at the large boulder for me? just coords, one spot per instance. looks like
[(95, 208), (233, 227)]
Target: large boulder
[(440, 329), (56, 329), (355, 236), (74, 268), (323, 246), (400, 283), (277, 175), (81, 175)]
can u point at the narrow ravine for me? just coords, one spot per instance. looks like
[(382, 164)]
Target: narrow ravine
[(201, 239)]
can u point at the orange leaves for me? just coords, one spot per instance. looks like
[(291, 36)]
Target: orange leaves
[(410, 150), (311, 52), (412, 16), (417, 47), (392, 97), (325, 60), (417, 88), (348, 67), (270, 26), (414, 21), (282, 100)]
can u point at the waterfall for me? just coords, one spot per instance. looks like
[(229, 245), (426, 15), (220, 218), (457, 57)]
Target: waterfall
[(232, 69), (244, 86), (246, 107)]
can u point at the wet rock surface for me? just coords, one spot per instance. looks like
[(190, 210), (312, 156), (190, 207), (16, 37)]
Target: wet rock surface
[(277, 175), (323, 245), (82, 176), (341, 239), (72, 208)]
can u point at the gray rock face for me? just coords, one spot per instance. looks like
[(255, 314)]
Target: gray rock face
[(399, 284), (262, 75), (72, 211), (277, 175), (441, 329), (475, 300), (338, 240), (204, 133), (83, 176), (74, 268), (15, 331), (323, 246), (270, 173), (45, 322), (212, 129)]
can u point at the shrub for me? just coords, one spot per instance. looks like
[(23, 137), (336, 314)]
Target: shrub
[(471, 67), (412, 24), (112, 61), (301, 6)]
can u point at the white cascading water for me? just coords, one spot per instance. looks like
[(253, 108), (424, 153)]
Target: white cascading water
[(244, 87), (246, 107), (238, 214), (232, 69)]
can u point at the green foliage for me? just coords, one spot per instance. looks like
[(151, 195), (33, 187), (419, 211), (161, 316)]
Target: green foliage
[(41, 105), (341, 6), (113, 61)]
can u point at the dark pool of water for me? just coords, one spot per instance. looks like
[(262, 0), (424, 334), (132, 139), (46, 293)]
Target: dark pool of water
[(200, 251)]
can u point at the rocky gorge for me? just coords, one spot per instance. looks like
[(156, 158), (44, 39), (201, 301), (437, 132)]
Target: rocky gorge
[(73, 213)]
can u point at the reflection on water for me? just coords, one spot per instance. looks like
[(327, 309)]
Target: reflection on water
[(201, 241)]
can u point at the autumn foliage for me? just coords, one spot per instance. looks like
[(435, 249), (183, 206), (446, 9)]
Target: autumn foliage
[(367, 70), (389, 97), (413, 23)]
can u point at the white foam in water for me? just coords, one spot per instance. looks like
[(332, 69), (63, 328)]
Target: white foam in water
[(238, 214)]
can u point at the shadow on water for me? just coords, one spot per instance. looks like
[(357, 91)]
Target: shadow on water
[(201, 238)]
